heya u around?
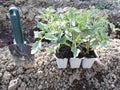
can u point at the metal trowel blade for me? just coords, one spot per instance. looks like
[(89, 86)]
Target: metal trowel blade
[(18, 55)]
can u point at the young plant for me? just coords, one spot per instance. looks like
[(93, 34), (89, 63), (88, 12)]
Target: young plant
[(61, 28), (93, 25), (72, 28)]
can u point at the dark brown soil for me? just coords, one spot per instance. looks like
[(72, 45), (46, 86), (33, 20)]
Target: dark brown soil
[(96, 78), (90, 55), (65, 52), (115, 34), (84, 53), (5, 36)]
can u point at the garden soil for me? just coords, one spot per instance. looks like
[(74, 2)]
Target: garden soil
[(30, 12), (42, 73)]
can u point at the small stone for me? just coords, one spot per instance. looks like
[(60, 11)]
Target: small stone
[(10, 67), (51, 74), (74, 77), (29, 88), (22, 86), (40, 74), (40, 87), (21, 76), (0, 75), (3, 87), (112, 85), (14, 84), (14, 73), (6, 77), (20, 70), (40, 63), (29, 71)]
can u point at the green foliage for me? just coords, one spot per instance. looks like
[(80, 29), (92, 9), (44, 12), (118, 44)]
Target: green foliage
[(76, 26), (93, 28), (60, 28)]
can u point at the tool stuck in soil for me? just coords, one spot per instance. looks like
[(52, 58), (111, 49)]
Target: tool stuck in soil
[(19, 50)]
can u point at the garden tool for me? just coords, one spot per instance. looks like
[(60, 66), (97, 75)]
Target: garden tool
[(19, 49)]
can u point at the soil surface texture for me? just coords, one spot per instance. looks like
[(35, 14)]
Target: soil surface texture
[(42, 73)]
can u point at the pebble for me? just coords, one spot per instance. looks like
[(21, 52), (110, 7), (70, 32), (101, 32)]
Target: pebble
[(40, 74), (0, 74), (40, 87), (3, 87), (22, 86), (20, 70), (10, 67), (29, 71), (14, 73), (6, 77), (14, 84)]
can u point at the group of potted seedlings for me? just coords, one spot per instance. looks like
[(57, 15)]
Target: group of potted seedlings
[(74, 34)]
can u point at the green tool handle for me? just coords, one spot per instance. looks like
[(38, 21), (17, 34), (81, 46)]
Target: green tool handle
[(16, 25)]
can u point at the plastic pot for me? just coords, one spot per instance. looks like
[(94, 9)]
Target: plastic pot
[(61, 63), (75, 62), (88, 62)]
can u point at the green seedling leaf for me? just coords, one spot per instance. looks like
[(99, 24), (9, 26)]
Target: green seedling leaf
[(50, 49), (50, 37), (63, 40), (103, 43), (38, 34), (73, 23), (35, 47), (94, 43), (81, 41), (74, 35), (95, 27), (42, 26), (67, 32), (59, 35), (75, 51), (68, 38), (57, 46), (77, 30)]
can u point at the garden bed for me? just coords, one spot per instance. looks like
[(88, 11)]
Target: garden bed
[(30, 11), (42, 73)]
